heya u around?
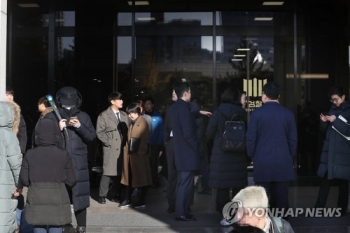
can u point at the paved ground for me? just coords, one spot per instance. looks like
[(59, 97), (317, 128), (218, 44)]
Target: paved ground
[(154, 218)]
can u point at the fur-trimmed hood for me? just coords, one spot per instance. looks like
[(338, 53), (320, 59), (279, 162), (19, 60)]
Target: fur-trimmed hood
[(46, 111), (10, 115)]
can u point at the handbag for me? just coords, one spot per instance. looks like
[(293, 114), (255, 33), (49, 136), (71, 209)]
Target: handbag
[(134, 144), (233, 137)]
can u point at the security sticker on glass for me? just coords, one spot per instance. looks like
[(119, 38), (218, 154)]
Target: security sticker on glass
[(233, 211)]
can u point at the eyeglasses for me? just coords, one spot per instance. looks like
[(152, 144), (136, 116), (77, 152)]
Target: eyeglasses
[(334, 100)]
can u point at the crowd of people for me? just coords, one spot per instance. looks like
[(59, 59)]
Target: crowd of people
[(133, 141)]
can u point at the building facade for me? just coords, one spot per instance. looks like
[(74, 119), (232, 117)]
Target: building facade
[(141, 48)]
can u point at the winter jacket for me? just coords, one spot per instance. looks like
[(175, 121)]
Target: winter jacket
[(157, 128), (77, 148), (336, 149), (227, 169), (42, 115), (46, 169), (22, 135), (10, 164), (286, 228)]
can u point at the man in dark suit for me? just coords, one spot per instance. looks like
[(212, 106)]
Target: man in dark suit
[(271, 143), (186, 155), (169, 148)]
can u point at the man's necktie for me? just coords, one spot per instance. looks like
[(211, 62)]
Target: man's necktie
[(118, 117)]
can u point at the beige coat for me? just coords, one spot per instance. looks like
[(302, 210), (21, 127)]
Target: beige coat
[(139, 161), (108, 132)]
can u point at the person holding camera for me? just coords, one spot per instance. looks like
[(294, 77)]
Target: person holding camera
[(78, 132)]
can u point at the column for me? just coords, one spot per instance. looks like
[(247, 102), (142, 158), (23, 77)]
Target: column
[(3, 33)]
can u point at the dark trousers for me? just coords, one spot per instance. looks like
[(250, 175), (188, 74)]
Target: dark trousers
[(104, 185), (80, 216), (277, 193), (172, 173), (223, 197), (324, 191), (184, 191), (203, 170), (154, 156)]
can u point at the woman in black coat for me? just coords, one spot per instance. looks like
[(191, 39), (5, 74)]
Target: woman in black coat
[(46, 170), (227, 169)]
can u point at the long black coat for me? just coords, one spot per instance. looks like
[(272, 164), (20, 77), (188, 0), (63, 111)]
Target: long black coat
[(227, 169), (46, 169), (185, 140), (77, 148), (335, 158)]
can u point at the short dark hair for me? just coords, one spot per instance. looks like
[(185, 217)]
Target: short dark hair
[(10, 91), (180, 88), (336, 90), (133, 108), (243, 92), (272, 90), (231, 95), (43, 100), (114, 96)]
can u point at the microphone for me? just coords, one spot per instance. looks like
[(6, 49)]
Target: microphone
[(53, 105)]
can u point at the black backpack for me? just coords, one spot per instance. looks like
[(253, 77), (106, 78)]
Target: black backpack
[(233, 137)]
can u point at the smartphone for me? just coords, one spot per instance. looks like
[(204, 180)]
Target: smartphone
[(324, 113), (73, 117)]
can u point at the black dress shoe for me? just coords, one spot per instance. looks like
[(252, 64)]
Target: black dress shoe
[(186, 218), (102, 200), (115, 199), (171, 209)]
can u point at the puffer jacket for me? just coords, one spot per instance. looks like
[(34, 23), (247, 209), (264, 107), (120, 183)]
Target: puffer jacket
[(77, 147), (336, 149), (46, 169), (10, 164), (227, 169)]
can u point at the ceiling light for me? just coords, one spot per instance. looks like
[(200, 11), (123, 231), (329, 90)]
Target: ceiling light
[(263, 18), (273, 3), (236, 59), (239, 55), (243, 49), (146, 18), (139, 3), (28, 5)]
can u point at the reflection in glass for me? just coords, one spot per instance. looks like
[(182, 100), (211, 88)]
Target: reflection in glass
[(247, 62), (124, 67), (224, 18), (175, 18), (160, 61), (124, 19), (24, 18), (65, 61), (29, 76), (65, 18)]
